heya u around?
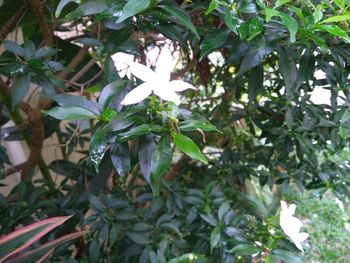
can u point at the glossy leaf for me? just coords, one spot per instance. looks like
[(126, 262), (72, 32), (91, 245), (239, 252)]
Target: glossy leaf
[(109, 91), (146, 149), (68, 100), (213, 41), (88, 8), (160, 162), (138, 131), (189, 147), (133, 7), (71, 113), (180, 16), (120, 158)]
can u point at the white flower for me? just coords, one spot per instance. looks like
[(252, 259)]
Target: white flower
[(292, 225), (157, 82)]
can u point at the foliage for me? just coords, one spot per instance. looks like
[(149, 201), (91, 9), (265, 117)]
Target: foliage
[(162, 182), (13, 244), (328, 225)]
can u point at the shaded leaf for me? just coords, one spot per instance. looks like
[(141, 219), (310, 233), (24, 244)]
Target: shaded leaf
[(120, 158), (180, 16), (20, 88), (161, 160)]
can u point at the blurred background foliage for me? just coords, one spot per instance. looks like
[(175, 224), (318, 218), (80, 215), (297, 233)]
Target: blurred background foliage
[(201, 181)]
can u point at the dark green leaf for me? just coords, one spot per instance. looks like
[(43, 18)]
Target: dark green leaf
[(62, 4), (215, 237), (71, 113), (213, 41), (161, 160), (20, 88), (14, 47), (255, 82), (109, 91), (180, 16), (67, 100), (138, 131), (286, 256), (146, 149), (88, 8), (245, 249), (98, 146), (120, 158), (132, 8)]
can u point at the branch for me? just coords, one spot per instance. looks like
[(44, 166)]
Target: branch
[(12, 22), (38, 8)]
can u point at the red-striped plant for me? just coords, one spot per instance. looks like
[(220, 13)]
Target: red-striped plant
[(12, 244)]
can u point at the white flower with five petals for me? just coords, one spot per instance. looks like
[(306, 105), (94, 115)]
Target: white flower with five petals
[(157, 82), (292, 225)]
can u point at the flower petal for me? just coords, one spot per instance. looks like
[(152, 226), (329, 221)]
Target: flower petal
[(168, 95), (179, 85), (137, 94), (142, 72)]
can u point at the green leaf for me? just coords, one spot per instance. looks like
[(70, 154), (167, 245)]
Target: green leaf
[(14, 48), (255, 82), (64, 167), (189, 257), (245, 249), (198, 122), (215, 237), (141, 238), (212, 6), (20, 88), (213, 41), (189, 147), (338, 18), (224, 208), (336, 31), (68, 100), (71, 113), (147, 146), (138, 131), (160, 162), (286, 256), (109, 91), (269, 259), (88, 8), (120, 158), (62, 4), (280, 3), (180, 16), (45, 52), (340, 3), (269, 13), (98, 147), (132, 8), (291, 24), (172, 227)]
